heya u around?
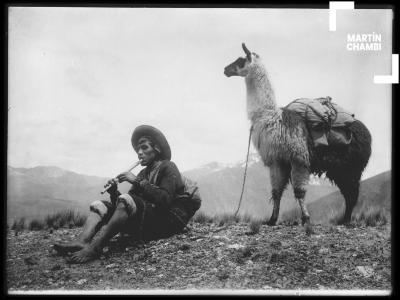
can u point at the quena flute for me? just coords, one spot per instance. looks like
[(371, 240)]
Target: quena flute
[(130, 169)]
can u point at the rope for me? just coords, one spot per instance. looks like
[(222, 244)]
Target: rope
[(245, 171)]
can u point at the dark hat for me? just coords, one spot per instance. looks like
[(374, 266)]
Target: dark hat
[(156, 135)]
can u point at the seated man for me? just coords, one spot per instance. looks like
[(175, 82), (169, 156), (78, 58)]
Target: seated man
[(154, 207)]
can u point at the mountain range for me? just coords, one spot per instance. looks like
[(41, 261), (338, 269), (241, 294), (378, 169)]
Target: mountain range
[(36, 192), (220, 186)]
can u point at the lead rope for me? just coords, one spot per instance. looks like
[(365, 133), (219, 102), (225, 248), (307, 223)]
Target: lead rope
[(245, 171)]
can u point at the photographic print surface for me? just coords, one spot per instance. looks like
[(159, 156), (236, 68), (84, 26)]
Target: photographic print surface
[(81, 79)]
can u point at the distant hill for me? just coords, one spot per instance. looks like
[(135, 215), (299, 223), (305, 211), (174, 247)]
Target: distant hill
[(35, 192), (220, 186), (375, 195)]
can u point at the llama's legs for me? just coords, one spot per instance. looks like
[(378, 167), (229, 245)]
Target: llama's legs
[(300, 176), (349, 187), (279, 175)]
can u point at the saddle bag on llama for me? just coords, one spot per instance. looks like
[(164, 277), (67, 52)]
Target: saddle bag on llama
[(326, 121)]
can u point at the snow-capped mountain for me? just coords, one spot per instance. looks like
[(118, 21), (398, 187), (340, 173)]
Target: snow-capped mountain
[(220, 187), (254, 158), (33, 192)]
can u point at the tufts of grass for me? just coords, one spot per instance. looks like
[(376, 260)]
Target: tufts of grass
[(19, 224), (222, 219), (291, 218), (255, 226), (202, 218), (65, 218), (247, 218), (37, 225), (226, 219), (371, 217)]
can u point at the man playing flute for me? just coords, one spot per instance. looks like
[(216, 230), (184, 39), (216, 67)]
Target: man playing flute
[(156, 206)]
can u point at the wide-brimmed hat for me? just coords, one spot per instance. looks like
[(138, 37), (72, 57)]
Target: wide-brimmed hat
[(156, 135)]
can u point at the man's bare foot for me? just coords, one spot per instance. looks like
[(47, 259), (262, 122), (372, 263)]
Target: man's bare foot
[(68, 247), (84, 255)]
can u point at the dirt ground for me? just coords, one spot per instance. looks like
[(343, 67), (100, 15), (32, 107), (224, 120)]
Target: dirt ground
[(211, 257)]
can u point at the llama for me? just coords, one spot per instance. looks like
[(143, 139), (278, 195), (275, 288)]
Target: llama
[(285, 146)]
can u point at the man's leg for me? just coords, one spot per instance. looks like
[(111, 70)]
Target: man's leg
[(125, 208), (95, 220)]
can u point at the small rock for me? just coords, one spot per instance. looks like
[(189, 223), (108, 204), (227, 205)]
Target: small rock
[(266, 287), (56, 267), (366, 271), (81, 281), (347, 277), (323, 251), (184, 247), (222, 275), (153, 260), (235, 246), (276, 244), (31, 260), (111, 266)]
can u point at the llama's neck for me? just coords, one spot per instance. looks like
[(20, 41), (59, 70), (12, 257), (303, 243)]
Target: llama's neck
[(260, 95)]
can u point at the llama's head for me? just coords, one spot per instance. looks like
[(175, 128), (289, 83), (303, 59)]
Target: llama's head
[(242, 65)]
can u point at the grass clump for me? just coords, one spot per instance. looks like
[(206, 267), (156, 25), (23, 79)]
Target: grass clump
[(222, 219), (371, 217), (202, 218), (19, 224), (255, 226), (291, 218), (65, 218), (37, 225), (226, 219)]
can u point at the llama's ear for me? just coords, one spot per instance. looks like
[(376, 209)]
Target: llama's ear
[(248, 54)]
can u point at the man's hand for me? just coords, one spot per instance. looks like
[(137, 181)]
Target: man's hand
[(113, 188), (126, 176)]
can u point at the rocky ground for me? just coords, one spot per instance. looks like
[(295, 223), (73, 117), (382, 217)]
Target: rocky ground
[(211, 257)]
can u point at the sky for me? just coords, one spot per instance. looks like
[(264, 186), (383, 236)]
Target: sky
[(81, 79)]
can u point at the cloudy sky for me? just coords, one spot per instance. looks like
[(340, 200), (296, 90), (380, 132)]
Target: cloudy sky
[(81, 79)]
